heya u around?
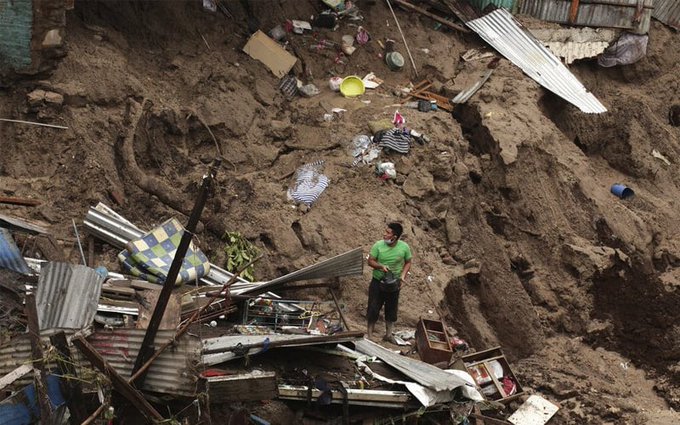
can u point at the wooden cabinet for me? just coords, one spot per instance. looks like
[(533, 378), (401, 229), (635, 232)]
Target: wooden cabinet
[(433, 342)]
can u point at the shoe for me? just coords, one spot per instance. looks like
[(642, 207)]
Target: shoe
[(390, 339)]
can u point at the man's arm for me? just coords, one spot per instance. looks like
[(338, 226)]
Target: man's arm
[(404, 272), (376, 265)]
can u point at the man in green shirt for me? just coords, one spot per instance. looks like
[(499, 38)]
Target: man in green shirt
[(387, 255)]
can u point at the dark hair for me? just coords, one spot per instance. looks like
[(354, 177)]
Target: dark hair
[(397, 230)]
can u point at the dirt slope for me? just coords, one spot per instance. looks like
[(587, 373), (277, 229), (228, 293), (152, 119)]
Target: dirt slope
[(507, 209)]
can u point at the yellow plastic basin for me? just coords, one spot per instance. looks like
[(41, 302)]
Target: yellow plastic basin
[(352, 86)]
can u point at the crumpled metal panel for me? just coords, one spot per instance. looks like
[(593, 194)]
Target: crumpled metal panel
[(509, 37), (668, 12), (347, 264), (67, 296), (10, 256), (633, 15)]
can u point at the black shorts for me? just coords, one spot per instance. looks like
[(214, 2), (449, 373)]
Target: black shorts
[(376, 299)]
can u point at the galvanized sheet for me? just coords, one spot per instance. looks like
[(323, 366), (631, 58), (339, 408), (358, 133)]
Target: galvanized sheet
[(67, 296), (504, 33), (347, 264), (423, 373), (466, 94), (668, 12), (173, 372), (592, 13)]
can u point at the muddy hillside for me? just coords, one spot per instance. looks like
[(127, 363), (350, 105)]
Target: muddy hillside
[(516, 236)]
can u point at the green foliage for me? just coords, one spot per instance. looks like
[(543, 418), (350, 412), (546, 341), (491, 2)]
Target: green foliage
[(239, 253)]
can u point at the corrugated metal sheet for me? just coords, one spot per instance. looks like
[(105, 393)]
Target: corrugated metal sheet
[(593, 13), (10, 256), (668, 12), (225, 348), (347, 264), (19, 225), (67, 296), (466, 94), (504, 33), (423, 373), (173, 372)]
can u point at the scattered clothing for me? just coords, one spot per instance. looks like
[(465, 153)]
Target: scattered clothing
[(396, 139), (309, 183)]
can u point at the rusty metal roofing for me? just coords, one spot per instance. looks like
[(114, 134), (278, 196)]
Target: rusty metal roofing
[(347, 264), (668, 12), (173, 372), (67, 296), (513, 41), (633, 15)]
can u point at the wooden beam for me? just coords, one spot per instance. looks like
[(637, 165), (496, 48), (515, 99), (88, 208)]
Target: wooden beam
[(146, 350), (14, 375), (337, 305), (95, 415), (19, 201), (488, 420), (118, 382), (73, 389), (39, 376), (432, 16)]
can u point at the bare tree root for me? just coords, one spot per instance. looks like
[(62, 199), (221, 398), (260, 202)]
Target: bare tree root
[(149, 184)]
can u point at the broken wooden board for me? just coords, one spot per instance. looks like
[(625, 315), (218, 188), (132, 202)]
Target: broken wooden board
[(264, 49), (171, 316), (253, 386)]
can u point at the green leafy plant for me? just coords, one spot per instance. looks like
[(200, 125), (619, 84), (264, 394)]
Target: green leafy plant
[(239, 253)]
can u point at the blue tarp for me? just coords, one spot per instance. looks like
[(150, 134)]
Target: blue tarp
[(22, 407), (10, 256)]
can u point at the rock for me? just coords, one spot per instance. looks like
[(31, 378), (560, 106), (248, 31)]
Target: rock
[(54, 98), (587, 260), (265, 93), (35, 98), (280, 130), (419, 184), (472, 265), (453, 232)]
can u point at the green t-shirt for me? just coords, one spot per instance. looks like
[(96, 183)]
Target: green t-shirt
[(393, 257)]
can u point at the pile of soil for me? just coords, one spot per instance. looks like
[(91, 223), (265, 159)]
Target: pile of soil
[(517, 239)]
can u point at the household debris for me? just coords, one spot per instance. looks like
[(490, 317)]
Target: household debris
[(262, 48), (575, 43), (627, 50), (534, 411), (309, 183)]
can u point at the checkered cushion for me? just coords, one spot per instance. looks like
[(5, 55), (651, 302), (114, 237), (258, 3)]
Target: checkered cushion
[(150, 256)]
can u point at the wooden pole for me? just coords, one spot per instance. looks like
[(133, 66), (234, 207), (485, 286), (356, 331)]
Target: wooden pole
[(95, 415), (19, 201), (73, 388), (146, 350), (40, 377), (337, 305), (188, 323), (432, 16), (118, 382), (34, 123), (413, 64)]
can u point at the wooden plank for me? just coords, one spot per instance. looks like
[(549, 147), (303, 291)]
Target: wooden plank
[(39, 377), (253, 386), (171, 315), (50, 248), (120, 384), (488, 420), (73, 389), (14, 375), (107, 288), (432, 16), (12, 200)]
